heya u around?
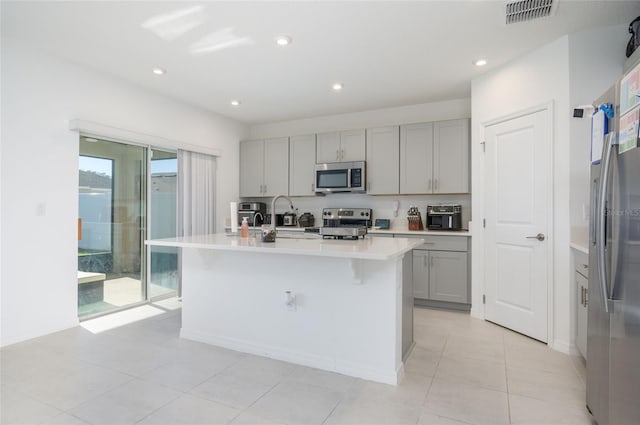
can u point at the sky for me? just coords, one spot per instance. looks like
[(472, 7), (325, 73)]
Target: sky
[(104, 166), (99, 165)]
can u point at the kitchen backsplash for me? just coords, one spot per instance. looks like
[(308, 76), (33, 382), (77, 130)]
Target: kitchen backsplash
[(382, 206)]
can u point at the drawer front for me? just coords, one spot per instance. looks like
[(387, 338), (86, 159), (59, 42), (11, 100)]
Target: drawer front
[(581, 263), (441, 243)]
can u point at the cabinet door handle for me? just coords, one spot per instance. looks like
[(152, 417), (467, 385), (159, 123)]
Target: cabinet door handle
[(430, 184), (430, 261), (425, 260), (582, 295), (342, 154), (260, 189), (337, 154), (435, 185), (313, 187), (586, 297), (265, 188)]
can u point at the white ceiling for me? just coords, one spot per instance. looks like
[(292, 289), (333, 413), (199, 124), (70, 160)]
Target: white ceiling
[(385, 53)]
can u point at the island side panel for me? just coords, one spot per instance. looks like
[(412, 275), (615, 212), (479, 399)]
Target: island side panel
[(344, 321)]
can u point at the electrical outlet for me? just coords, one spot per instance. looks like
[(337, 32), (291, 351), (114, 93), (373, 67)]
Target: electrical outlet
[(290, 301)]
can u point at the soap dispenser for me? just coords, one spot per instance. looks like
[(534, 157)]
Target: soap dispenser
[(244, 228)]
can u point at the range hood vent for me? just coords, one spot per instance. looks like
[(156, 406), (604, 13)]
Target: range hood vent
[(527, 10)]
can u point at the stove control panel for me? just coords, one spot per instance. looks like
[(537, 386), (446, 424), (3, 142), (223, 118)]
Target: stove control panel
[(336, 217)]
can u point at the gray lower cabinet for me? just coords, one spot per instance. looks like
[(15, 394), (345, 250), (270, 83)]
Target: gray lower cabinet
[(441, 271), (581, 276), (420, 273), (448, 276), (440, 276)]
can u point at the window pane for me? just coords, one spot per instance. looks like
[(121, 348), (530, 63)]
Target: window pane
[(163, 222), (112, 209)]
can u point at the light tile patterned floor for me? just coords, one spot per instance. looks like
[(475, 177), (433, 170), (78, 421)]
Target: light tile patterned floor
[(462, 370)]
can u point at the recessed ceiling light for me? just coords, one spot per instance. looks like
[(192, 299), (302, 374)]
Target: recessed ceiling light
[(159, 71), (337, 86), (480, 62), (235, 103), (90, 139), (283, 40)]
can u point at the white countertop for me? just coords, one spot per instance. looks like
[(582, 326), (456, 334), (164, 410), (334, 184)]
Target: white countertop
[(390, 231), (579, 246), (421, 232), (364, 249), (580, 239)]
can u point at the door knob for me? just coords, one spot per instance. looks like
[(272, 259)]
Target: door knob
[(539, 237)]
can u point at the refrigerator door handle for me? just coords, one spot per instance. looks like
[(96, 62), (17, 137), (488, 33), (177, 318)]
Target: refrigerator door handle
[(594, 211), (601, 221)]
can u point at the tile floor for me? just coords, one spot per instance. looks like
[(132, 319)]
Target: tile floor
[(462, 370)]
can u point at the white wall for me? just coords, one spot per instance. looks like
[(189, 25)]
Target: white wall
[(39, 167), (538, 78), (436, 111), (591, 75), (542, 76), (382, 205)]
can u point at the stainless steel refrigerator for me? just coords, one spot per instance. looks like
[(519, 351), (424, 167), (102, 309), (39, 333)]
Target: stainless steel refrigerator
[(613, 324)]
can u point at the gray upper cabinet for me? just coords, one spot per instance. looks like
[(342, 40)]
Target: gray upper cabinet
[(276, 166), (340, 146), (264, 167), (302, 160), (451, 156), (328, 147), (424, 158), (434, 157), (251, 168), (416, 158), (383, 160), (352, 144)]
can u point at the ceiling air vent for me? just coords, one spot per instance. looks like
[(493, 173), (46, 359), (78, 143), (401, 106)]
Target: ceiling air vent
[(527, 10)]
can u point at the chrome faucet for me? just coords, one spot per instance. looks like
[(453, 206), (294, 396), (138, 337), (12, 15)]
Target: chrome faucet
[(254, 219), (273, 209)]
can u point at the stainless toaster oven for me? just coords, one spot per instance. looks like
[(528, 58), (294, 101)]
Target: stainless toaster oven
[(444, 217)]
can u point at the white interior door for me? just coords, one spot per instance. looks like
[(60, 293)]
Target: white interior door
[(518, 180)]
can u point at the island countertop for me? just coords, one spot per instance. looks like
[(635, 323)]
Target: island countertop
[(364, 249)]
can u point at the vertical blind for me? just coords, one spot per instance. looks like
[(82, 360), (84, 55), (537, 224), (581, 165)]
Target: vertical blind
[(196, 193)]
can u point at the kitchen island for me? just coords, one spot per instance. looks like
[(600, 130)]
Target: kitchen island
[(338, 305)]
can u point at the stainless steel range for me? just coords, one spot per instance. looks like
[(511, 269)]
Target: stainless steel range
[(345, 223)]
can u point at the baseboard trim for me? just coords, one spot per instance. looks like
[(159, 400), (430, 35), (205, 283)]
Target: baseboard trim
[(304, 359)]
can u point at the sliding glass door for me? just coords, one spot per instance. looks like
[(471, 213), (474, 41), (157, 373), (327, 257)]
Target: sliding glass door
[(163, 223), (111, 226)]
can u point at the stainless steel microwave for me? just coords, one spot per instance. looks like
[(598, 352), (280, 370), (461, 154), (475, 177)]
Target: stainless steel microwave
[(337, 177)]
